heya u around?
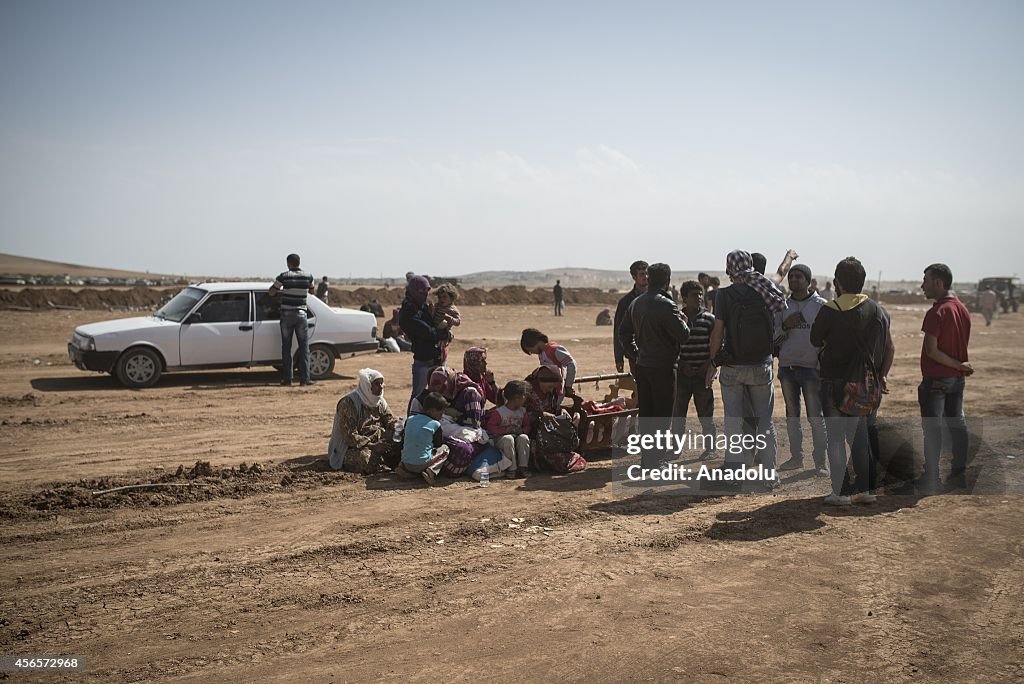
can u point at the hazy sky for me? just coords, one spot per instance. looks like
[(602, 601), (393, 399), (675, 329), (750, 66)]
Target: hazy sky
[(451, 137)]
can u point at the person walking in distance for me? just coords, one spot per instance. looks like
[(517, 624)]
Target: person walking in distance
[(559, 298), (944, 367), (323, 290), (293, 286)]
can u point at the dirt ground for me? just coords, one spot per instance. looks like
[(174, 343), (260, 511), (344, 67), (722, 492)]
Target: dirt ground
[(261, 564)]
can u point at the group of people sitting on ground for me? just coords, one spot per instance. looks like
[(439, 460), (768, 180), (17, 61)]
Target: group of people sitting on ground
[(451, 431), (834, 358)]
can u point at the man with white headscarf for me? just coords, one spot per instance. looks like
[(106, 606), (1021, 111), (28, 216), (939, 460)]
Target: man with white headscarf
[(362, 437), (744, 322)]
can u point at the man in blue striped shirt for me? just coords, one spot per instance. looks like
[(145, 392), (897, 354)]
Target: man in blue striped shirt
[(694, 358), (294, 284)]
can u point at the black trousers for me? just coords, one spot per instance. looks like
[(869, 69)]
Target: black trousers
[(692, 387), (656, 393)]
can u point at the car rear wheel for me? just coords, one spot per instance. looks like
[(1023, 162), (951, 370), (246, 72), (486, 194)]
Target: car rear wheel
[(139, 367), (321, 361)]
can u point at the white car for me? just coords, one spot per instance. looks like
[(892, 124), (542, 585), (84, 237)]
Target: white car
[(217, 325)]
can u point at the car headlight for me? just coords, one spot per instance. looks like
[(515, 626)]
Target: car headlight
[(84, 342)]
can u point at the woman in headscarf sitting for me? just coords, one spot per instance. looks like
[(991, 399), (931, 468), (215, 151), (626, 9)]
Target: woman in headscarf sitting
[(543, 403), (474, 365), (362, 437), (417, 323), (463, 430)]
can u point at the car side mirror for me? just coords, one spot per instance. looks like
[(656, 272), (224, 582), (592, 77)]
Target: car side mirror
[(194, 318)]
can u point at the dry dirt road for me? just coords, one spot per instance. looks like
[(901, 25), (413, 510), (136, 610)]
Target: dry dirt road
[(281, 570)]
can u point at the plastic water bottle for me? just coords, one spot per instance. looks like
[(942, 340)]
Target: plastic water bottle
[(399, 429), (485, 476)]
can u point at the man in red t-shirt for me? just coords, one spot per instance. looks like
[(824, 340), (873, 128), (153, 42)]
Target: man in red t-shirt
[(947, 331)]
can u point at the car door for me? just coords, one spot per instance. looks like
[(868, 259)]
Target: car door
[(266, 343), (220, 331)]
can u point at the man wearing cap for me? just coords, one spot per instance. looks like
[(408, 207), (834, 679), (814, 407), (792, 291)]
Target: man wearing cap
[(798, 369), (294, 284)]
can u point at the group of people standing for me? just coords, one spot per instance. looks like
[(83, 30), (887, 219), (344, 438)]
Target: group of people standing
[(834, 356)]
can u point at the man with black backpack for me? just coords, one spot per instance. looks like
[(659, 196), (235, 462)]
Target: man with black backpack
[(854, 332), (744, 321)]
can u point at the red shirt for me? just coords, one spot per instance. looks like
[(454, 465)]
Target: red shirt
[(950, 322)]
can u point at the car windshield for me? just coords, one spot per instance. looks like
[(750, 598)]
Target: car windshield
[(176, 309)]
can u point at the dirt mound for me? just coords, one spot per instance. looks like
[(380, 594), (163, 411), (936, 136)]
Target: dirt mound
[(134, 299), (201, 482), (150, 299)]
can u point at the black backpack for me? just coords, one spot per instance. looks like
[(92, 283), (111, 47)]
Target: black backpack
[(749, 330)]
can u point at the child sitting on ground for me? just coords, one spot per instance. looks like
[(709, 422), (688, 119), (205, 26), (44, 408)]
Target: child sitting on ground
[(423, 452), (552, 355), (446, 314), (508, 426)]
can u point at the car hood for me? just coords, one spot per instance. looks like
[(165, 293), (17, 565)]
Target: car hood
[(122, 325)]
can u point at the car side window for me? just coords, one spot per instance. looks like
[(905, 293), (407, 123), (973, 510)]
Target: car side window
[(229, 307), (267, 308)]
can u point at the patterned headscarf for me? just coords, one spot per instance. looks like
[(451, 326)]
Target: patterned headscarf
[(417, 290), (440, 376), (740, 267), (474, 362)]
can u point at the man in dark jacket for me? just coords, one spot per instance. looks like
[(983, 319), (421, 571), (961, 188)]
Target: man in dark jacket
[(650, 334), (417, 323), (638, 272), (853, 330)]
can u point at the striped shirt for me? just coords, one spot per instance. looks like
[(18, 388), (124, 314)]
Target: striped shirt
[(294, 286), (695, 349)]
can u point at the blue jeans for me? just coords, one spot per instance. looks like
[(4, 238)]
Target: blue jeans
[(751, 384), (843, 429), (942, 402), (294, 321), (796, 380)]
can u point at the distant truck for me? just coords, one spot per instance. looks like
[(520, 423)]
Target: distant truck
[(1007, 287)]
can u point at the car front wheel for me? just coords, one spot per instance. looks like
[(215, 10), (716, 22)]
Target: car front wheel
[(139, 367), (321, 361)]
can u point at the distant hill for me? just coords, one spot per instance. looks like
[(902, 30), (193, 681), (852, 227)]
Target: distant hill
[(11, 264), (571, 277)]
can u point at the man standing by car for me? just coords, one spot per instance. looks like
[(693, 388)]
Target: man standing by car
[(294, 284), (638, 272)]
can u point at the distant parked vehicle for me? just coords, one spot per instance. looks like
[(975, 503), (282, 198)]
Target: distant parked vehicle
[(217, 325), (1005, 286)]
